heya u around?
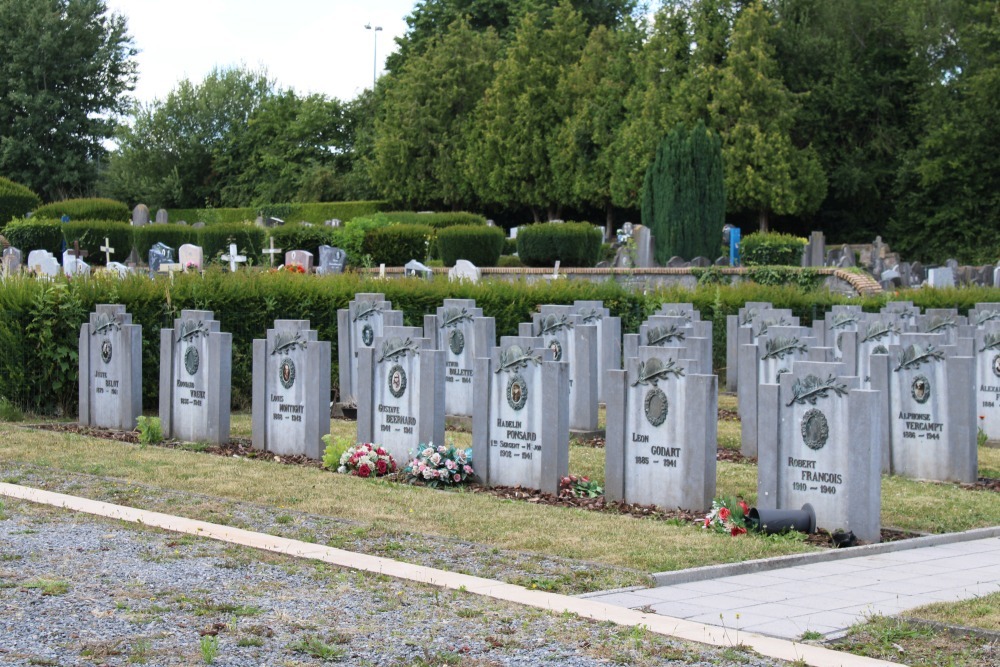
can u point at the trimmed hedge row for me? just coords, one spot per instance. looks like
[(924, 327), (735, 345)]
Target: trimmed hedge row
[(16, 200), (316, 212), (92, 208), (436, 220), (771, 249), (478, 244), (572, 243), (395, 245)]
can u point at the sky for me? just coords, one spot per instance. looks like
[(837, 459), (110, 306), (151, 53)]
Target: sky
[(313, 46)]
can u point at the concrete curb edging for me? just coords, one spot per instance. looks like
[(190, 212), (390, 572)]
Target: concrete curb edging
[(552, 602), (765, 564)]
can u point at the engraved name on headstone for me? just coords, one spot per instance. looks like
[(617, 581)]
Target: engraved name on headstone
[(110, 358), (357, 327), (459, 328)]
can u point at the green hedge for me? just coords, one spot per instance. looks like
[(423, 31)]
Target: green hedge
[(93, 208), (436, 220), (395, 245), (480, 245), (174, 236), (771, 249), (16, 200), (35, 234), (303, 237), (91, 235), (312, 212), (572, 243)]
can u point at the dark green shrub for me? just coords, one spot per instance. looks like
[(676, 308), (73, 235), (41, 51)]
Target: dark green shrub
[(250, 239), (509, 246), (35, 234), (510, 262), (16, 201), (805, 279), (93, 208), (91, 234), (480, 245), (316, 213), (771, 249), (173, 236), (435, 220), (396, 245), (572, 243), (303, 237)]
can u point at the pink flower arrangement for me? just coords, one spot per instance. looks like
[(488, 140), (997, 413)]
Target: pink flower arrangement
[(366, 460), (440, 466)]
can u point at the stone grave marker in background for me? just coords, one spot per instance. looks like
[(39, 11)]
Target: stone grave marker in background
[(118, 269), (941, 277), (744, 318), (665, 331), (196, 361), (661, 436), (837, 321), (301, 258), (418, 270), (685, 310), (73, 265), (191, 257), (575, 343), (903, 311), (609, 339), (159, 254), (331, 260), (110, 358), (162, 217), (234, 258), (459, 328), (291, 390), (820, 441), (520, 429), (401, 393), (43, 263), (928, 409), (875, 334), (987, 355), (12, 260), (357, 327), (464, 270), (140, 215)]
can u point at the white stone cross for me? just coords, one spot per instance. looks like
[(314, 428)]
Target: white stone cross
[(233, 258), (107, 250), (271, 252)]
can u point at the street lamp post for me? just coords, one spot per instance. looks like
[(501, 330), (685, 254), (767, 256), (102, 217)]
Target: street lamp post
[(375, 29)]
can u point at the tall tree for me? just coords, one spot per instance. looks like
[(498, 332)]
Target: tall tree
[(423, 121), (65, 69), (684, 196), (516, 123), (766, 172)]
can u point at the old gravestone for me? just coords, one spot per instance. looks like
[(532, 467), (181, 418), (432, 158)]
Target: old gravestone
[(876, 333), (609, 339), (837, 321), (464, 270), (902, 311), (459, 328), (331, 260), (575, 343), (520, 430), (11, 261), (301, 258), (110, 358), (162, 217), (820, 445), (928, 409), (196, 361), (744, 318), (291, 390), (357, 327), (670, 331), (159, 254), (140, 216), (73, 265), (661, 436), (685, 310), (751, 322), (987, 355), (191, 257), (401, 393), (43, 263)]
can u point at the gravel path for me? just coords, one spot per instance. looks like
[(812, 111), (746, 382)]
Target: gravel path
[(81, 590)]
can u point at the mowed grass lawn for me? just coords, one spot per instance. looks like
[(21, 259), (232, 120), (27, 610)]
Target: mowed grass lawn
[(641, 544)]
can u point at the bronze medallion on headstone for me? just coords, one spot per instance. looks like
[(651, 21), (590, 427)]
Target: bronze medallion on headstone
[(996, 365), (920, 389), (815, 429), (656, 406), (106, 351), (367, 335), (397, 381), (191, 360), (556, 348), (456, 341), (517, 391), (286, 373)]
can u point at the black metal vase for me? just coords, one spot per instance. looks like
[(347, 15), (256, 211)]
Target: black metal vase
[(771, 522)]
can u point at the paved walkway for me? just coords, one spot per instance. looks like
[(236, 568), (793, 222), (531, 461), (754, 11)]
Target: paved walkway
[(827, 597)]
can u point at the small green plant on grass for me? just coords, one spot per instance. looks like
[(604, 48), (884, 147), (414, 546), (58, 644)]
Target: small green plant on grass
[(10, 412), (811, 635), (981, 436), (317, 647), (149, 430), (245, 642), (209, 648), (3, 512), (336, 445), (139, 653), (48, 586)]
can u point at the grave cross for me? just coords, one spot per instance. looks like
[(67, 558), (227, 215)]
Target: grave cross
[(76, 252), (107, 250), (233, 258), (271, 252)]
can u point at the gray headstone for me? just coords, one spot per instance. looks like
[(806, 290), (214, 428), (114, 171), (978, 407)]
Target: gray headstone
[(357, 327), (702, 262), (609, 339), (941, 277), (162, 217), (460, 330), (140, 215), (676, 262), (291, 390), (401, 393), (302, 258), (334, 222), (183, 223), (520, 436), (987, 355), (644, 247), (816, 249), (196, 361), (733, 323), (928, 409), (822, 435), (918, 274), (661, 441), (118, 269), (197, 225), (951, 264), (846, 257), (417, 270), (331, 260), (110, 358), (74, 266), (12, 260)]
